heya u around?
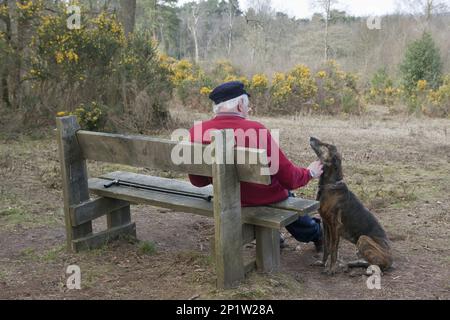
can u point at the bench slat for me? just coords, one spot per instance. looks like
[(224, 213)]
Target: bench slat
[(153, 181), (99, 239), (142, 151), (302, 206), (157, 199), (260, 216)]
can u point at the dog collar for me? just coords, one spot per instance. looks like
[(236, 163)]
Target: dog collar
[(333, 185)]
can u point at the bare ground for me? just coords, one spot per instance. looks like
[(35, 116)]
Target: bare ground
[(399, 167)]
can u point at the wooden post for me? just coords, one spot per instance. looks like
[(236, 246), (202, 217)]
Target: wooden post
[(267, 249), (118, 217), (74, 177), (227, 213)]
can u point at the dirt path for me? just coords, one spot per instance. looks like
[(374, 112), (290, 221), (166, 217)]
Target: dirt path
[(400, 168)]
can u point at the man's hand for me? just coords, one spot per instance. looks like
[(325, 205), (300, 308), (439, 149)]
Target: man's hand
[(316, 169)]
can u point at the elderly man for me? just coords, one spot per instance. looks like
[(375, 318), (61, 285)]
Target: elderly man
[(231, 108)]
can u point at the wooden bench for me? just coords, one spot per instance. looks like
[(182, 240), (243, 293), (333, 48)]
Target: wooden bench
[(234, 226)]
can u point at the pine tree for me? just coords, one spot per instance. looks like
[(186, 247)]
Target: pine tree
[(422, 62)]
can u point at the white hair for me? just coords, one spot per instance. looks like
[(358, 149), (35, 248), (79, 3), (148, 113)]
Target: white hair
[(231, 106)]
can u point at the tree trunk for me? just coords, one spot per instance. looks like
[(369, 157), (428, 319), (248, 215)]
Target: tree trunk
[(14, 68), (192, 25), (327, 19), (230, 25), (196, 45), (128, 15)]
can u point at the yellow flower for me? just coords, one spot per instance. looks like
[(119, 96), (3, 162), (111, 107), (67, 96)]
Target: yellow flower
[(389, 91), (205, 91), (3, 10), (259, 81), (301, 71), (72, 56), (24, 6), (422, 85), (61, 114), (278, 77), (321, 74), (59, 57)]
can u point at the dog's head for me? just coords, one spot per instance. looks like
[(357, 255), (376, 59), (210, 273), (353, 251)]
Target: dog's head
[(327, 153), (329, 156)]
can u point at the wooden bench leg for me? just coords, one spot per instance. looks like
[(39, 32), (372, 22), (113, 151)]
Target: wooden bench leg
[(227, 214), (118, 217), (79, 210), (121, 217), (74, 177), (267, 250)]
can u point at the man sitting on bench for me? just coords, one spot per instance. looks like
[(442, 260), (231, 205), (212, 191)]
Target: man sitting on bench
[(231, 108)]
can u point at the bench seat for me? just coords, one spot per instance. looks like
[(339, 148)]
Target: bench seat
[(275, 216)]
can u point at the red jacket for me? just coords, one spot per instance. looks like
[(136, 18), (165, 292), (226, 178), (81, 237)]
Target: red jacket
[(289, 176)]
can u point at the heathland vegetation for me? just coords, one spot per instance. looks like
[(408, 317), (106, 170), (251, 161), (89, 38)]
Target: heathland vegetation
[(125, 64)]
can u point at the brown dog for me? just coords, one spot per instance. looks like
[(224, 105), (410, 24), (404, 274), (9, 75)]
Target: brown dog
[(343, 215)]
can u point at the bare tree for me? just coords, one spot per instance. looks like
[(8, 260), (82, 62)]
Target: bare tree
[(325, 6), (127, 14), (423, 10), (192, 23), (231, 14)]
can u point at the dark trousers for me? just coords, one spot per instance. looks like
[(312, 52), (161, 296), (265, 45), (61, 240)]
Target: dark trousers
[(305, 229)]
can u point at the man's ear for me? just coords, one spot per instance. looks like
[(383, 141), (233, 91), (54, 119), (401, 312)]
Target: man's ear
[(240, 106)]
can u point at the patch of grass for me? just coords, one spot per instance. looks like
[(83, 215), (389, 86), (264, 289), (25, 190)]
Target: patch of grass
[(262, 286), (97, 252), (92, 274), (3, 275), (194, 258), (29, 253), (250, 293), (46, 256), (13, 216), (53, 254), (147, 248)]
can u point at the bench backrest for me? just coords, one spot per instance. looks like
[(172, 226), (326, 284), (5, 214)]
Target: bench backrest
[(77, 146), (143, 151)]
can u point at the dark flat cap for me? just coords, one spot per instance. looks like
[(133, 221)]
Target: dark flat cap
[(228, 91)]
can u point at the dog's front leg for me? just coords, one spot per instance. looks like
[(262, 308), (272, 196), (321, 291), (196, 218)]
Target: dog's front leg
[(326, 244), (335, 233), (326, 249)]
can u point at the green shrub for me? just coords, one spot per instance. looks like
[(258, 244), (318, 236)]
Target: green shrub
[(147, 248), (98, 63), (292, 92), (337, 90), (422, 62), (91, 116), (438, 103)]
